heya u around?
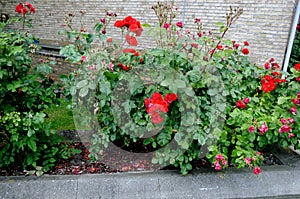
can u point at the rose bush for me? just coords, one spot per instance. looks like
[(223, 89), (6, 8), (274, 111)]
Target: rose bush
[(197, 92)]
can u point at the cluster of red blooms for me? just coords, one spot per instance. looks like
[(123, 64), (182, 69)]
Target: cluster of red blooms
[(269, 82), (157, 104), (242, 104), (236, 45), (21, 8), (131, 24)]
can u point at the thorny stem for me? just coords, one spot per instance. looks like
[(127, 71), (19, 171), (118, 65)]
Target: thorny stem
[(23, 22), (231, 18)]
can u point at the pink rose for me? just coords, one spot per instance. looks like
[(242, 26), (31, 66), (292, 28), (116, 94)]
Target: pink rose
[(257, 170), (251, 129), (263, 129)]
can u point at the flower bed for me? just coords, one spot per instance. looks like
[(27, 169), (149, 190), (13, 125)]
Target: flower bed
[(194, 97)]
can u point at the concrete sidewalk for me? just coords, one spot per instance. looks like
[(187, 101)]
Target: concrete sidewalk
[(273, 182)]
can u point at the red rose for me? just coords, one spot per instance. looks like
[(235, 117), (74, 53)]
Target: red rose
[(129, 50), (246, 43), (32, 9), (169, 98), (268, 84), (166, 25), (147, 102), (21, 9), (297, 66), (157, 96), (109, 40), (156, 118), (245, 51), (131, 40), (246, 100), (126, 68), (220, 47), (194, 45), (119, 24), (298, 79), (179, 24), (240, 104), (133, 27)]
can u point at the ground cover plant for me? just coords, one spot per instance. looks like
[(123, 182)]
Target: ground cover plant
[(195, 94)]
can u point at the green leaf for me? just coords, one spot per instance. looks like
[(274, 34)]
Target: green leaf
[(146, 25), (179, 83), (219, 24), (32, 144), (84, 91), (82, 83)]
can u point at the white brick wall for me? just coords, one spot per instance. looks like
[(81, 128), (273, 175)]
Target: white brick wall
[(265, 24)]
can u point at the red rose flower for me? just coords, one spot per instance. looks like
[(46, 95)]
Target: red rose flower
[(246, 100), (156, 118), (169, 98), (131, 40), (246, 43), (147, 103), (268, 84), (126, 68), (119, 24), (194, 45), (128, 50), (245, 51), (109, 40), (297, 67), (179, 24), (166, 25), (32, 9), (133, 27), (21, 9), (220, 47), (240, 104)]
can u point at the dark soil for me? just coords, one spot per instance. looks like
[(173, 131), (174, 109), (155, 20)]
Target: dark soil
[(109, 162)]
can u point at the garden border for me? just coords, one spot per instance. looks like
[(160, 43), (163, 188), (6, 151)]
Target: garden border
[(280, 181)]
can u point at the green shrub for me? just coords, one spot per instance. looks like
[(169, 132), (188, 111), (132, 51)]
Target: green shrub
[(25, 92)]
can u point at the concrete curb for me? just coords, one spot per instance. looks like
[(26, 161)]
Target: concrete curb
[(273, 182), (281, 181)]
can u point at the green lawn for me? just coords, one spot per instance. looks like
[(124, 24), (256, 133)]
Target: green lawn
[(60, 116)]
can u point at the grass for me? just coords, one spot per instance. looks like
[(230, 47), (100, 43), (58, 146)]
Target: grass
[(60, 116)]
